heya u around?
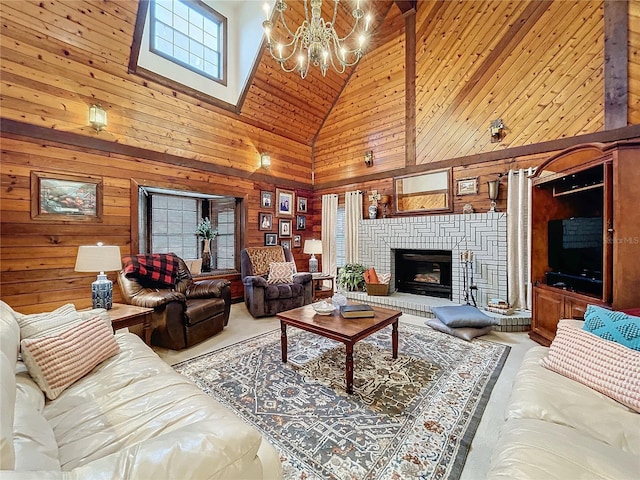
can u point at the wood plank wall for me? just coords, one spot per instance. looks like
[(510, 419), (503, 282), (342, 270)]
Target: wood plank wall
[(61, 56), (634, 62), (369, 115), (480, 202), (38, 257), (536, 65)]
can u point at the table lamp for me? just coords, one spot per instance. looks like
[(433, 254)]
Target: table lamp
[(99, 258), (313, 247)]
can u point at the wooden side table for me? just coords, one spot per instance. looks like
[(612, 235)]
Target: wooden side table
[(320, 291), (123, 316)]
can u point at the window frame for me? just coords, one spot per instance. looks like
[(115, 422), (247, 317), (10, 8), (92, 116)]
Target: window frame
[(207, 12), (140, 243)]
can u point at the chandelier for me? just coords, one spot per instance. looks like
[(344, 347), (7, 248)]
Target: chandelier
[(316, 41)]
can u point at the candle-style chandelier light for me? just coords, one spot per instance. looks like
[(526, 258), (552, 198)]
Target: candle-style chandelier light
[(316, 41)]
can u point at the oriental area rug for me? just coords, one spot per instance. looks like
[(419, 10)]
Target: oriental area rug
[(410, 417)]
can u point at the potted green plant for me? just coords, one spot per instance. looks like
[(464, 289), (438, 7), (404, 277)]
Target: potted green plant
[(351, 277)]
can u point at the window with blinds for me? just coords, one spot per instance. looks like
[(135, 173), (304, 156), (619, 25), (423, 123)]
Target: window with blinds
[(168, 220)]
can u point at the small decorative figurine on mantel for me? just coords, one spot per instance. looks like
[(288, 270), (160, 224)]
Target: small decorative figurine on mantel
[(374, 197)]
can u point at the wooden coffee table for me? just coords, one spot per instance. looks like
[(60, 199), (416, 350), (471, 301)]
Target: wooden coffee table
[(345, 330)]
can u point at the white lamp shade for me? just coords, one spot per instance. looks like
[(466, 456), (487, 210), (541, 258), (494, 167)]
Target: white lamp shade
[(313, 247), (98, 258)]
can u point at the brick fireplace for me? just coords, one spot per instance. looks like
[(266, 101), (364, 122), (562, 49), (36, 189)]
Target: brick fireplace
[(485, 234)]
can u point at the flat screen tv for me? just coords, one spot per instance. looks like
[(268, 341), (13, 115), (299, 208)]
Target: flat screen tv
[(576, 246)]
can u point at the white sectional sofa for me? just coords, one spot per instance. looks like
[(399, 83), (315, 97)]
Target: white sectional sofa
[(131, 417), (557, 428)]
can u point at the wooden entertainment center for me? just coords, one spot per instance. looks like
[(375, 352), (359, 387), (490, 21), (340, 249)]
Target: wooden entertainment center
[(585, 233)]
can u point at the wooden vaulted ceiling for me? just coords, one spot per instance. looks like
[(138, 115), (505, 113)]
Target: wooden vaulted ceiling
[(287, 105)]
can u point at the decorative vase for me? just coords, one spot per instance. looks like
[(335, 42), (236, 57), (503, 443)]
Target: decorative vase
[(206, 256), (373, 211), (339, 299)]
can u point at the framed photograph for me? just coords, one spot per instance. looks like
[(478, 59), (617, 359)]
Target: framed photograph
[(297, 241), (284, 228), (285, 201), (286, 244), (266, 199), (467, 186), (265, 221), (302, 205), (65, 197), (301, 222), (270, 239)]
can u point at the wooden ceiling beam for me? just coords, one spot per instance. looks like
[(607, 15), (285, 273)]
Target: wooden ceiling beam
[(407, 6), (616, 62)]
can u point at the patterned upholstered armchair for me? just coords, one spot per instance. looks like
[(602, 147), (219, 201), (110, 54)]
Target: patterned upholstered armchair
[(185, 312), (266, 299)]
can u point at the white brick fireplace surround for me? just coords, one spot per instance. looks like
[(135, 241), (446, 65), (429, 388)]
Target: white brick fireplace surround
[(485, 234)]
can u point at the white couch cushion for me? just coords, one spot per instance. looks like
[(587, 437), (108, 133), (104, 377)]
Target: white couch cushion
[(130, 398), (7, 402), (536, 450), (539, 393), (34, 442), (9, 345), (55, 362)]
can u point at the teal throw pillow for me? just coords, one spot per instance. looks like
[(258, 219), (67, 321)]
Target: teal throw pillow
[(615, 326)]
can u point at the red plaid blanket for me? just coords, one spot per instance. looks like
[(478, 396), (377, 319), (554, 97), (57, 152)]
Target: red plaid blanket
[(158, 268)]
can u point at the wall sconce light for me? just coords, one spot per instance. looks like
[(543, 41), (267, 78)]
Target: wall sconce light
[(494, 186), (496, 127), (97, 117), (265, 160), (368, 158)]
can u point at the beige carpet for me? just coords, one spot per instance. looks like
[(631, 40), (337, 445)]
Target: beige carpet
[(242, 326)]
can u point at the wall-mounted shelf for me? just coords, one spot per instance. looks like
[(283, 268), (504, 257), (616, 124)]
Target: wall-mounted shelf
[(557, 192)]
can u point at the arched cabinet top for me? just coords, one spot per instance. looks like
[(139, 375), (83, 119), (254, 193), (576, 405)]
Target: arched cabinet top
[(578, 158)]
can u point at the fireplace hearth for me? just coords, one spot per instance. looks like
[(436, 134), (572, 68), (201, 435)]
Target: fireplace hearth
[(424, 272)]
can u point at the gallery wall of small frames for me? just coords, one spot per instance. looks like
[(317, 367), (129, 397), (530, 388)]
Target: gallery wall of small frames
[(290, 216)]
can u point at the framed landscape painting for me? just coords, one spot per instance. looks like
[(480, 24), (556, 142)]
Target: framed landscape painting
[(467, 186), (64, 197)]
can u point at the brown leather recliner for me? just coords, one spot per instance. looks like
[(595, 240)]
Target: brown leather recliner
[(184, 315)]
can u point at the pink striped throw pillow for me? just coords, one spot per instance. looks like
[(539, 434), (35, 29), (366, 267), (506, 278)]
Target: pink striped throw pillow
[(56, 362), (603, 365)]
